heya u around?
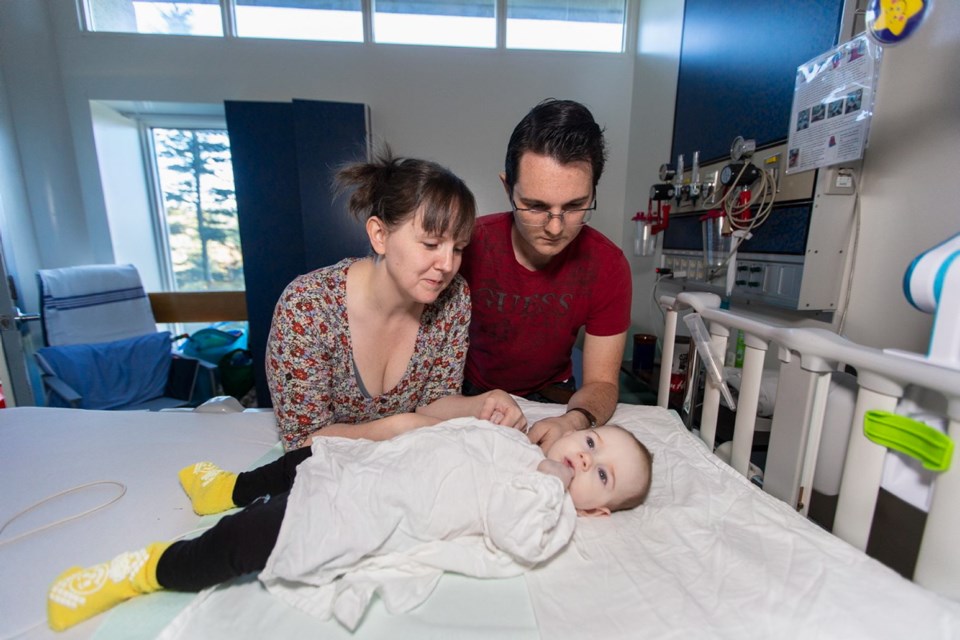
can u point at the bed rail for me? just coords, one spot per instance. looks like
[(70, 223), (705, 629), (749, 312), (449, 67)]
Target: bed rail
[(807, 358)]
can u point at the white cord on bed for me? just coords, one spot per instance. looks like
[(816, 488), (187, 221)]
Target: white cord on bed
[(123, 490), (23, 632)]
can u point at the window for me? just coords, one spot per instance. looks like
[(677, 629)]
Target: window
[(463, 23), (194, 177), (192, 18), (333, 20), (571, 25), (567, 25)]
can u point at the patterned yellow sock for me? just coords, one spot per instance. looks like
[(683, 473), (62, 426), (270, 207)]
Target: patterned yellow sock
[(78, 594), (210, 488)]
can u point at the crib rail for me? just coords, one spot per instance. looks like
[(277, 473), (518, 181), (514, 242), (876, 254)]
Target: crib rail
[(808, 356)]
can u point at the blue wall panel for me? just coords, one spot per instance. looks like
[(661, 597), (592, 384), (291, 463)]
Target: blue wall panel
[(738, 62)]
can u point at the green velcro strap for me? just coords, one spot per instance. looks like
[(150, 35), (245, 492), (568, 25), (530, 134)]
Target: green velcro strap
[(918, 440)]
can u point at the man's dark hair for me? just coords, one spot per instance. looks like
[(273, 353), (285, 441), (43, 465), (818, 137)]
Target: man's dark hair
[(561, 129)]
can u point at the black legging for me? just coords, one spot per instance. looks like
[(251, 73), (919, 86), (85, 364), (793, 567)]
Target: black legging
[(240, 543)]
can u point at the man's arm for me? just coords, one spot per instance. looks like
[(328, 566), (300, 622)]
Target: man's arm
[(602, 356)]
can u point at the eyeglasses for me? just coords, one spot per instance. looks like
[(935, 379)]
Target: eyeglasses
[(542, 217)]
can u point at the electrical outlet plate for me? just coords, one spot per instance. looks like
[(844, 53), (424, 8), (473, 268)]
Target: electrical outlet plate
[(771, 164)]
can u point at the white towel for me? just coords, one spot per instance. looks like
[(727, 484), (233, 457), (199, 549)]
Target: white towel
[(390, 517), (94, 303)]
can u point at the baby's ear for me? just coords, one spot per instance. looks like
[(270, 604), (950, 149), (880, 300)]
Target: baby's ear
[(593, 513)]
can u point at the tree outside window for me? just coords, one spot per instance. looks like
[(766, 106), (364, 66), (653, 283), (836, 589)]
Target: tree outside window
[(200, 208)]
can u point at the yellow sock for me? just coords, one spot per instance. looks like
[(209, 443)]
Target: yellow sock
[(78, 594), (210, 488)]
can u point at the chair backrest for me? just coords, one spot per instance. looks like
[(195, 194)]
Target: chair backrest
[(93, 304)]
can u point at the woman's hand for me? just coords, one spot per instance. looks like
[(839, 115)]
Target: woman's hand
[(499, 407), (496, 406)]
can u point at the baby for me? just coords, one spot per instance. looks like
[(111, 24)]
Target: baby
[(604, 469), (478, 480)]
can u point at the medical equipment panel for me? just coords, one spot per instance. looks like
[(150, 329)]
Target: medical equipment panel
[(786, 246)]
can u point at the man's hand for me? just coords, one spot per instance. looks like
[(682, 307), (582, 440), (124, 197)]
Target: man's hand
[(547, 431), (499, 407)]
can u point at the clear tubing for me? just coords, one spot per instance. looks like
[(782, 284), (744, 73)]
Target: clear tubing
[(711, 361)]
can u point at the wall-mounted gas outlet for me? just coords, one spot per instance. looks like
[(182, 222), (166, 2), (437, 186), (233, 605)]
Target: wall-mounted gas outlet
[(840, 182), (710, 181)]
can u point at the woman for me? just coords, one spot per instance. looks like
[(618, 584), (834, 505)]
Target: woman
[(374, 347), (366, 348)]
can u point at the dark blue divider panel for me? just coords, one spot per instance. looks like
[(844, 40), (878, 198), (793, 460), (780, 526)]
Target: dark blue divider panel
[(328, 134), (784, 232), (284, 156), (738, 62)]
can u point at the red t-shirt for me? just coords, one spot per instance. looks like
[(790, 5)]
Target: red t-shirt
[(525, 323)]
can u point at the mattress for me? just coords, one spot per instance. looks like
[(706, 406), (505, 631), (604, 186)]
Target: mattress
[(44, 451), (708, 555)]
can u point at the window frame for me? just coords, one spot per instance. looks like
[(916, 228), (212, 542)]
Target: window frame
[(158, 216), (229, 26)]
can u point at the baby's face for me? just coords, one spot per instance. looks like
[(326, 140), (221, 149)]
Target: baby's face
[(607, 467)]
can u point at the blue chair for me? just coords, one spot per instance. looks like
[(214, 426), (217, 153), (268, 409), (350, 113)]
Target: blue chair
[(103, 350)]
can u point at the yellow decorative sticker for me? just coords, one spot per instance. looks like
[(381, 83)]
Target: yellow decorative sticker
[(891, 22)]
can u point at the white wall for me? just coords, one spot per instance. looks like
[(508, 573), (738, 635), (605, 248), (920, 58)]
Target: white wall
[(125, 192), (16, 226), (457, 106), (651, 136), (909, 173)]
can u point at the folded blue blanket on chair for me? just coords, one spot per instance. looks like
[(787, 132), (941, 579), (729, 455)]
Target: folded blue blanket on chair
[(113, 375)]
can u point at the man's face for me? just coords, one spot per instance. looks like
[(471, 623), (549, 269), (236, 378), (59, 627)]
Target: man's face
[(543, 183)]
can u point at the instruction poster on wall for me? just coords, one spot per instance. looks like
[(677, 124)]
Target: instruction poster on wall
[(833, 105)]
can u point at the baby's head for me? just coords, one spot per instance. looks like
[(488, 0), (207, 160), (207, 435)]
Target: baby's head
[(611, 469)]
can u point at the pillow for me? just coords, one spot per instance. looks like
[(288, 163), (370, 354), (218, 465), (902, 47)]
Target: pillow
[(113, 375)]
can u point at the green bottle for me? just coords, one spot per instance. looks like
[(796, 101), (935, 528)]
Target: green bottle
[(738, 359)]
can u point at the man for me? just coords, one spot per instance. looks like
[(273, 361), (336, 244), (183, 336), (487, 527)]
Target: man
[(538, 275)]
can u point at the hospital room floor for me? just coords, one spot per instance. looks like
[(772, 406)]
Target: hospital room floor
[(895, 534), (633, 390)]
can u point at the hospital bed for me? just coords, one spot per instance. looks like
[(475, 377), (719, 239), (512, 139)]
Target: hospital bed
[(710, 554)]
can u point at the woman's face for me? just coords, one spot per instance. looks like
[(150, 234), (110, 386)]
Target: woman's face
[(421, 264)]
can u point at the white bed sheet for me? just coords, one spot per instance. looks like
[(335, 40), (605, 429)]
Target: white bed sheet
[(44, 451), (710, 555)]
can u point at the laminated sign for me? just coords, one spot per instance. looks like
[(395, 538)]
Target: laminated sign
[(833, 105)]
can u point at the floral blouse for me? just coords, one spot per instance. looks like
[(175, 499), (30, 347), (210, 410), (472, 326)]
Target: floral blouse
[(310, 369)]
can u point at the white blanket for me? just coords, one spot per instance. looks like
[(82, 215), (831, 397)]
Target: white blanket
[(94, 303), (390, 517)]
